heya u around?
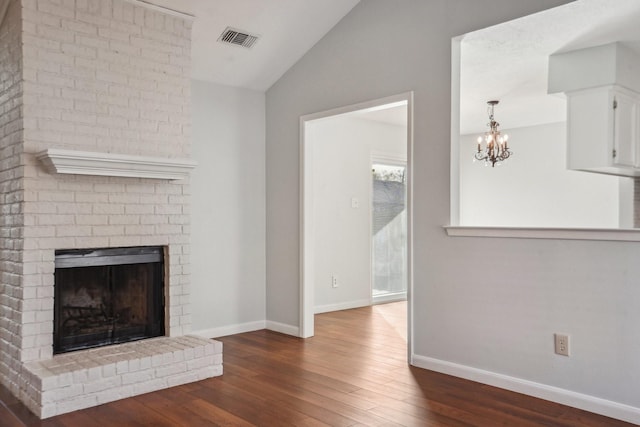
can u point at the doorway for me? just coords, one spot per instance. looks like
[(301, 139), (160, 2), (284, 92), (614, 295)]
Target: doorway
[(346, 205), (388, 230)]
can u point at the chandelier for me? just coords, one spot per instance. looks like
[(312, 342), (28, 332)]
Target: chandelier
[(495, 145)]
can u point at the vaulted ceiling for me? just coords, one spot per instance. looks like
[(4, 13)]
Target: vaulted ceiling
[(287, 30), (507, 62)]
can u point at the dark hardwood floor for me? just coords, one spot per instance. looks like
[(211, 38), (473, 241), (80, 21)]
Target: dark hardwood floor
[(352, 373)]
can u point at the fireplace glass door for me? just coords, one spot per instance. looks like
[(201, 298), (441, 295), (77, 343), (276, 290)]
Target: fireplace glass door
[(107, 296)]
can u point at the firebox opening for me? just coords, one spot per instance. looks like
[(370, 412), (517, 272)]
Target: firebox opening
[(107, 296)]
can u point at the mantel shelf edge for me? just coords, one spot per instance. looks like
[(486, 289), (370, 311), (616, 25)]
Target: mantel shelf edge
[(109, 164)]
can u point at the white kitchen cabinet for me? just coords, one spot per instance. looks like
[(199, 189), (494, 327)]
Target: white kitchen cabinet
[(603, 131)]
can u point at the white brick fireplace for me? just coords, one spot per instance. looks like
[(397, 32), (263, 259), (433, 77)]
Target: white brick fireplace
[(109, 78)]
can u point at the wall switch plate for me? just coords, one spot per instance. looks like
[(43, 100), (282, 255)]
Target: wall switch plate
[(561, 344)]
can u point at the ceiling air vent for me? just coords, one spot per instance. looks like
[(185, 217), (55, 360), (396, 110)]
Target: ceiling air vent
[(238, 37)]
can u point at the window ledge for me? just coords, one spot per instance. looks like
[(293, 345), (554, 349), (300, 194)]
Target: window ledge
[(608, 234)]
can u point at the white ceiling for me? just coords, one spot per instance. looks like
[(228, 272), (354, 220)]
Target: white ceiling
[(288, 29), (508, 62)]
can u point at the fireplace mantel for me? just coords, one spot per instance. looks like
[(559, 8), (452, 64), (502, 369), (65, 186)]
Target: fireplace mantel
[(109, 164)]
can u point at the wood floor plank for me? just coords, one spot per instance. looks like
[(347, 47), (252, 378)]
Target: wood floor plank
[(85, 418), (353, 373), (315, 405), (132, 412), (255, 408), (107, 415), (312, 422), (218, 415), (7, 419), (176, 411)]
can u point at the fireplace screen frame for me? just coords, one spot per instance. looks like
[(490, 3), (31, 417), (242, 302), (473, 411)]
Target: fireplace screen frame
[(110, 262)]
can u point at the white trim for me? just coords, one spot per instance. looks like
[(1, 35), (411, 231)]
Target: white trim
[(454, 170), (283, 328), (388, 159), (606, 234), (391, 297), (410, 300), (306, 230), (307, 242), (241, 328), (162, 9), (372, 105), (342, 306), (554, 394), (109, 164), (224, 331)]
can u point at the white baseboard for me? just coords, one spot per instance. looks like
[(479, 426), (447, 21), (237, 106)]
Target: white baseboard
[(341, 306), (283, 328), (565, 397), (230, 329), (240, 328), (386, 298)]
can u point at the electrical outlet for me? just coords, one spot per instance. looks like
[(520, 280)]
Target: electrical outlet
[(334, 281), (562, 344)]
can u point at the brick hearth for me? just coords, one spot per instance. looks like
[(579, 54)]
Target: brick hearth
[(82, 379)]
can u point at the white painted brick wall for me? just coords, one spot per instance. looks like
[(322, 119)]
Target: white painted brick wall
[(102, 76), (97, 75), (11, 196)]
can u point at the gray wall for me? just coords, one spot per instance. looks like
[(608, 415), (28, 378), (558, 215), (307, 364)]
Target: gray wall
[(228, 202), (500, 319)]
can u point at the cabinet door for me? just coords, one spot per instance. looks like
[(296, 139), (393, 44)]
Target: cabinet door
[(625, 130)]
